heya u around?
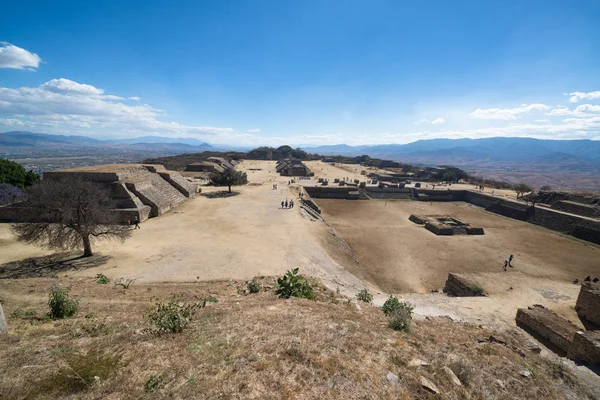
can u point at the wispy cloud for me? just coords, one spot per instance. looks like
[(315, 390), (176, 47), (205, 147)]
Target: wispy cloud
[(507, 113), (576, 97), (15, 57), (64, 104), (428, 121), (253, 130)]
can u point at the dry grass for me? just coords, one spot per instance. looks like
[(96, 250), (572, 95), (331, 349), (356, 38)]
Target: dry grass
[(253, 347)]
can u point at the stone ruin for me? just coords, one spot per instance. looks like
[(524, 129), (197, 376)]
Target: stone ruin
[(552, 329), (445, 225), (560, 334), (141, 191), (204, 166), (3, 325), (588, 303), (460, 286), (293, 167)]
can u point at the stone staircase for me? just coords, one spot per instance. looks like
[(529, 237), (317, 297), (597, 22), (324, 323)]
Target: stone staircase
[(156, 192)]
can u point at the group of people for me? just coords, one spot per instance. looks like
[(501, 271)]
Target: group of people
[(287, 204), (507, 263)]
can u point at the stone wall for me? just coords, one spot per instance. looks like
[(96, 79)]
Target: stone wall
[(180, 183), (326, 192), (585, 347), (572, 207), (508, 211), (311, 203), (388, 193), (588, 303), (461, 286), (547, 326)]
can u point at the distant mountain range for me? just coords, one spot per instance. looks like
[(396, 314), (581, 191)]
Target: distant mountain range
[(562, 163), (475, 151)]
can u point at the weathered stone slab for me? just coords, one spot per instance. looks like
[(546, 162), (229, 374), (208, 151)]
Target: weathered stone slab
[(588, 303), (547, 326), (3, 325), (460, 286), (585, 347)]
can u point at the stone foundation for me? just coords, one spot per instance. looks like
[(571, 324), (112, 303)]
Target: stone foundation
[(588, 303), (548, 327), (460, 286), (585, 347), (445, 225)]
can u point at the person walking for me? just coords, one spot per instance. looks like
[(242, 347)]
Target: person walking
[(292, 203), (136, 221), (509, 260), (286, 203), (505, 264), (281, 203)]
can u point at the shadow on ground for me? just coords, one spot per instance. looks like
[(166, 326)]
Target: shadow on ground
[(220, 194), (49, 265)]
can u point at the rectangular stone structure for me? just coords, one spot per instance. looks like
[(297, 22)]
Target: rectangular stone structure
[(547, 326), (585, 347), (588, 303)]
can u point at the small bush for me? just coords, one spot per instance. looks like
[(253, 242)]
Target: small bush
[(390, 305), (401, 317), (59, 303), (253, 287), (21, 313), (154, 383), (173, 317), (294, 285), (102, 279), (365, 295)]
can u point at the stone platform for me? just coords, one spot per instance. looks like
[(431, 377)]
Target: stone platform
[(138, 191), (444, 225)]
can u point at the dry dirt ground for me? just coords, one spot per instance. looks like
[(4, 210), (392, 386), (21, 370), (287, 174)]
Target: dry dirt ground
[(207, 239), (366, 244), (258, 346)]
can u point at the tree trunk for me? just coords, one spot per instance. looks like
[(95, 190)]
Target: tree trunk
[(229, 188), (87, 246)]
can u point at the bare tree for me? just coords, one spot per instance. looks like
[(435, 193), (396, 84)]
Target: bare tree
[(70, 214)]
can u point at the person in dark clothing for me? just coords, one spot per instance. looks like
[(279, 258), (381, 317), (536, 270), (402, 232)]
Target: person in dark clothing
[(136, 222), (509, 260), (286, 203), (281, 203), (505, 264)]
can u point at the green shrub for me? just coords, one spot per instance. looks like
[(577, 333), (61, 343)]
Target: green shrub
[(365, 295), (154, 383), (59, 303), (390, 305), (102, 279), (253, 287), (294, 285), (173, 317), (21, 313), (401, 317)]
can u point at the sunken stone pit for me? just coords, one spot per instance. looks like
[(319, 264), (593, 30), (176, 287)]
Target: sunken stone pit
[(445, 225)]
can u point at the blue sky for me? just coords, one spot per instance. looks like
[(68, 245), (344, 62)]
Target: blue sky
[(302, 72)]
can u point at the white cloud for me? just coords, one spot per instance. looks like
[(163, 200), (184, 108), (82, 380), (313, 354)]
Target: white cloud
[(427, 121), (576, 97), (507, 113), (253, 130), (63, 85), (15, 57), (65, 106), (581, 110), (12, 122), (542, 120)]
